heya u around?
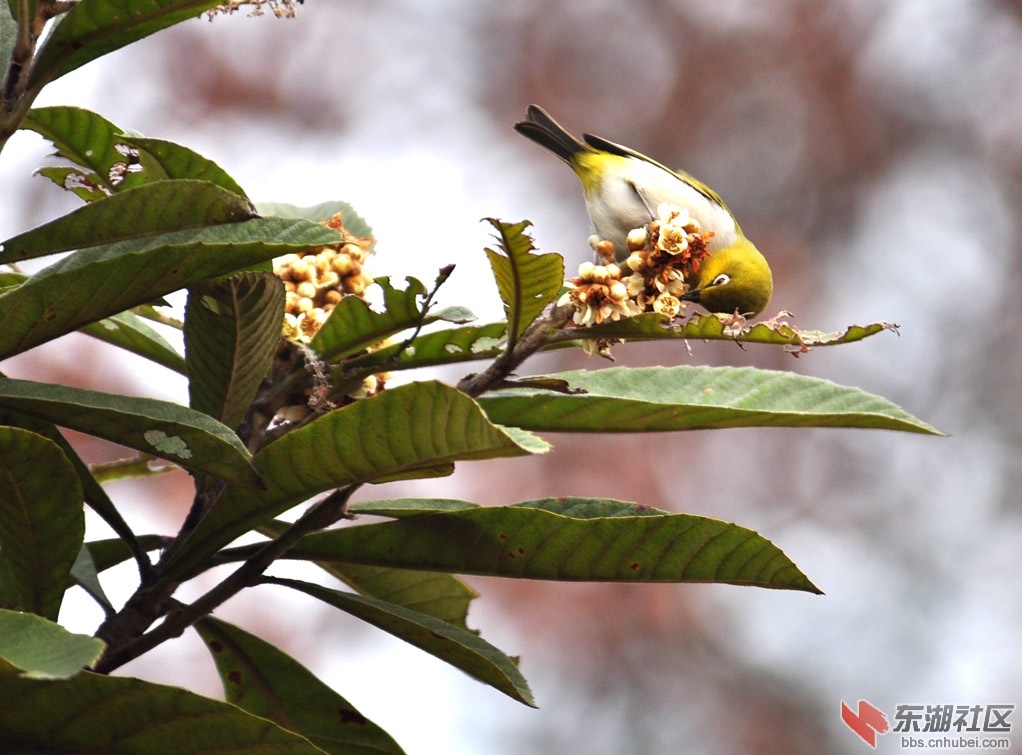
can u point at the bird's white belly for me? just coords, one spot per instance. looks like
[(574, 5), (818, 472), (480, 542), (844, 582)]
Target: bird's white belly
[(628, 199)]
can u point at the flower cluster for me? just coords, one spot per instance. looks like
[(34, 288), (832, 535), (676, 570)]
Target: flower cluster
[(599, 294), (279, 8), (652, 277), (316, 280)]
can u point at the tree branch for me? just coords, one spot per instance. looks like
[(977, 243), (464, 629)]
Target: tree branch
[(324, 513), (535, 337)]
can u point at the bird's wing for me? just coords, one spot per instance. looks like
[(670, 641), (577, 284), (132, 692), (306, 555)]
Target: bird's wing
[(648, 202), (598, 142)]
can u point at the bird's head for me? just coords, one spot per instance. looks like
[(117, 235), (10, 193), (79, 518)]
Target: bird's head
[(735, 278)]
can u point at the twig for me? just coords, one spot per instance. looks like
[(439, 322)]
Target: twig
[(286, 370), (445, 272), (536, 336), (321, 515)]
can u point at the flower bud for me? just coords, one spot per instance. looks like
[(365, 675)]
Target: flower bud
[(636, 239)]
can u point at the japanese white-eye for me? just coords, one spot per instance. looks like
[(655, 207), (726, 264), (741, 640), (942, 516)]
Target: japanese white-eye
[(623, 189)]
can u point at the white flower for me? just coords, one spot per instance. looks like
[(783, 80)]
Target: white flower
[(668, 305), (672, 214), (673, 239), (368, 388), (677, 228), (636, 284), (566, 297), (670, 281)]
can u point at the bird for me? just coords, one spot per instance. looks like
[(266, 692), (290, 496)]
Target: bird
[(623, 188)]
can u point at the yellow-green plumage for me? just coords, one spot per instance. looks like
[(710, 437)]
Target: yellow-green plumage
[(622, 190), (749, 285)]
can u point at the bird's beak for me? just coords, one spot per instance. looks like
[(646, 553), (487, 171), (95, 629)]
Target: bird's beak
[(696, 295)]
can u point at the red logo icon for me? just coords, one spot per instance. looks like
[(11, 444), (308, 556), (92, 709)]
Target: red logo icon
[(867, 723)]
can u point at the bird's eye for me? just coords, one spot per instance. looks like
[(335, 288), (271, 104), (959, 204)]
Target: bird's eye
[(721, 280)]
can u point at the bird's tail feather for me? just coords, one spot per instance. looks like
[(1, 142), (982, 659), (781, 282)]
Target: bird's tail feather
[(539, 127)]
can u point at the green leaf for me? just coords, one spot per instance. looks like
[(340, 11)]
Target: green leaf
[(11, 280), (587, 508), (568, 539), (439, 595), (85, 575), (71, 178), (107, 553), (100, 555), (95, 495), (107, 714), (8, 31), (456, 314), (352, 326), (88, 140), (94, 28), (161, 159), (527, 282), (717, 327), (42, 649), (402, 429), (128, 331), (42, 523), (232, 329), (399, 508), (450, 346), (146, 210), (353, 222), (112, 160), (420, 473), (9, 596), (654, 399), (95, 283), (268, 683), (460, 648), (161, 428)]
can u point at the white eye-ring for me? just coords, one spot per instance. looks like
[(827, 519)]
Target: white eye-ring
[(721, 280)]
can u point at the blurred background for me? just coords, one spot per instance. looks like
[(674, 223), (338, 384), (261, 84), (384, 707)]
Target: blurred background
[(873, 152)]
